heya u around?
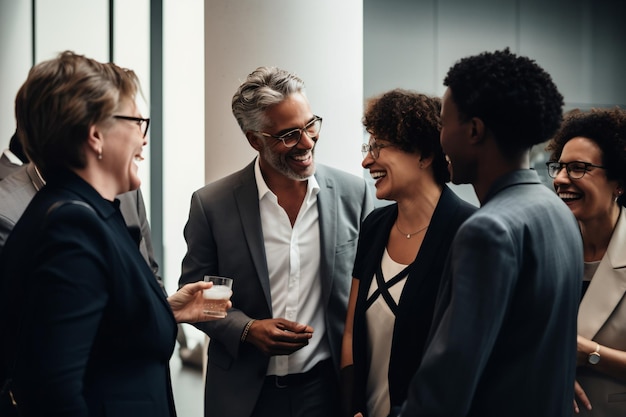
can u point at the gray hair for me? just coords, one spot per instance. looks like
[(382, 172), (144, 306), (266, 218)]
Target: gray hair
[(264, 87)]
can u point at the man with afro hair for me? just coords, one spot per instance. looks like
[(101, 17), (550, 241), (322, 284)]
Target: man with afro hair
[(503, 340)]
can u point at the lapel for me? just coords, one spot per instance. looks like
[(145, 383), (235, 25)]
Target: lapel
[(608, 285), (247, 200), (328, 219)]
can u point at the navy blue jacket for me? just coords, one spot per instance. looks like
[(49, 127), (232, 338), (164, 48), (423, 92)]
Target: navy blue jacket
[(88, 325)]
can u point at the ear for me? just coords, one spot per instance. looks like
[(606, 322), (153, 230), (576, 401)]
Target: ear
[(254, 140), (95, 142), (426, 162), (477, 133)]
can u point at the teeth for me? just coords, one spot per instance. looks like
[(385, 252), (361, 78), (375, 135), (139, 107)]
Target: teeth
[(568, 196), (301, 158), (138, 158), (378, 174)]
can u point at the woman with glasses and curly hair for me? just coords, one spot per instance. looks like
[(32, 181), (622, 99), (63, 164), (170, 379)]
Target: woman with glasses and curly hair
[(588, 164), (401, 251)]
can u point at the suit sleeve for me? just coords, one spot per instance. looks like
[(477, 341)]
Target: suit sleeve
[(202, 259), (368, 202), (470, 310), (6, 225), (63, 313), (147, 237)]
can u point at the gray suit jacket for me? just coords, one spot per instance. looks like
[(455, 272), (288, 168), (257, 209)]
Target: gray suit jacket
[(6, 166), (504, 331), (18, 189), (602, 318), (224, 237)]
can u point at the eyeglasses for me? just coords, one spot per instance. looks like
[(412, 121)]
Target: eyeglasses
[(373, 148), (575, 169), (142, 122), (293, 136)]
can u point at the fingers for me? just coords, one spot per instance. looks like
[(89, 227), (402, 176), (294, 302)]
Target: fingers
[(292, 326), (193, 287), (198, 285), (579, 393), (290, 335), (291, 338), (279, 336)]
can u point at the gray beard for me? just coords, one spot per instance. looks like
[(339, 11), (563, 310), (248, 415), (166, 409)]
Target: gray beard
[(280, 164)]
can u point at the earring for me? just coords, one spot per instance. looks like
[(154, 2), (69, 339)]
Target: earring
[(100, 155)]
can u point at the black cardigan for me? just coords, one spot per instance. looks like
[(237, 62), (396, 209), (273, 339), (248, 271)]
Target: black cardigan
[(416, 304)]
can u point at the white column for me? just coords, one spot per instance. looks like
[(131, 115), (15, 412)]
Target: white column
[(183, 125), (15, 60)]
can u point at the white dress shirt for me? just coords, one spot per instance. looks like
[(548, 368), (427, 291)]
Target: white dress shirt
[(293, 261)]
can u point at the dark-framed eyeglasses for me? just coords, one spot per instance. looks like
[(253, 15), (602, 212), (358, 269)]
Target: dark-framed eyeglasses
[(142, 122), (292, 137), (575, 169), (373, 148)]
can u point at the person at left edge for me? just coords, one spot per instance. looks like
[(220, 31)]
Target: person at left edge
[(87, 331), (11, 158), (285, 229), (23, 180)]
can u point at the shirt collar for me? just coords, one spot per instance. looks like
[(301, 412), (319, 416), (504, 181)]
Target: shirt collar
[(12, 158)]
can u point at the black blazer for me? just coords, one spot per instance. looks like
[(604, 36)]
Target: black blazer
[(96, 330), (417, 302)]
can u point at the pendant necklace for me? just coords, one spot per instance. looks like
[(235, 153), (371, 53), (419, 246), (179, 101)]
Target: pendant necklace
[(408, 235)]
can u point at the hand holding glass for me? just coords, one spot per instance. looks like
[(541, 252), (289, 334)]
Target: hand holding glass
[(216, 298)]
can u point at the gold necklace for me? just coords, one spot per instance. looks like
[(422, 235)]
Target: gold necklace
[(408, 235)]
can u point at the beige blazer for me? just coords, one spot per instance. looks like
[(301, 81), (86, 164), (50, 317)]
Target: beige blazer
[(602, 318)]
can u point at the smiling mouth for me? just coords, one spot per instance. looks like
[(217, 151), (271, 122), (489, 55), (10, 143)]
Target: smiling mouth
[(567, 197), (139, 158), (378, 174), (303, 157)]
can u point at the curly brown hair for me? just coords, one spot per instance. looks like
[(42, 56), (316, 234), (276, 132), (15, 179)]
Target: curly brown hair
[(607, 128), (411, 121)]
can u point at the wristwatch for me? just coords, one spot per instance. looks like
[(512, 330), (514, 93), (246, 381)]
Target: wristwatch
[(594, 357)]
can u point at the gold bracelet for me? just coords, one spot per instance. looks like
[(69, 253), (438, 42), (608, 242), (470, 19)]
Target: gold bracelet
[(246, 329)]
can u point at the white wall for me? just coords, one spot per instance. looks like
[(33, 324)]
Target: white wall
[(15, 60), (72, 29), (131, 49)]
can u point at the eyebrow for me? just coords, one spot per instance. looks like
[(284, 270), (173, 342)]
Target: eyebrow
[(290, 129)]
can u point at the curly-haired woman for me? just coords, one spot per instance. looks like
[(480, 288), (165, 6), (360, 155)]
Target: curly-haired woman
[(402, 249), (588, 164)]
